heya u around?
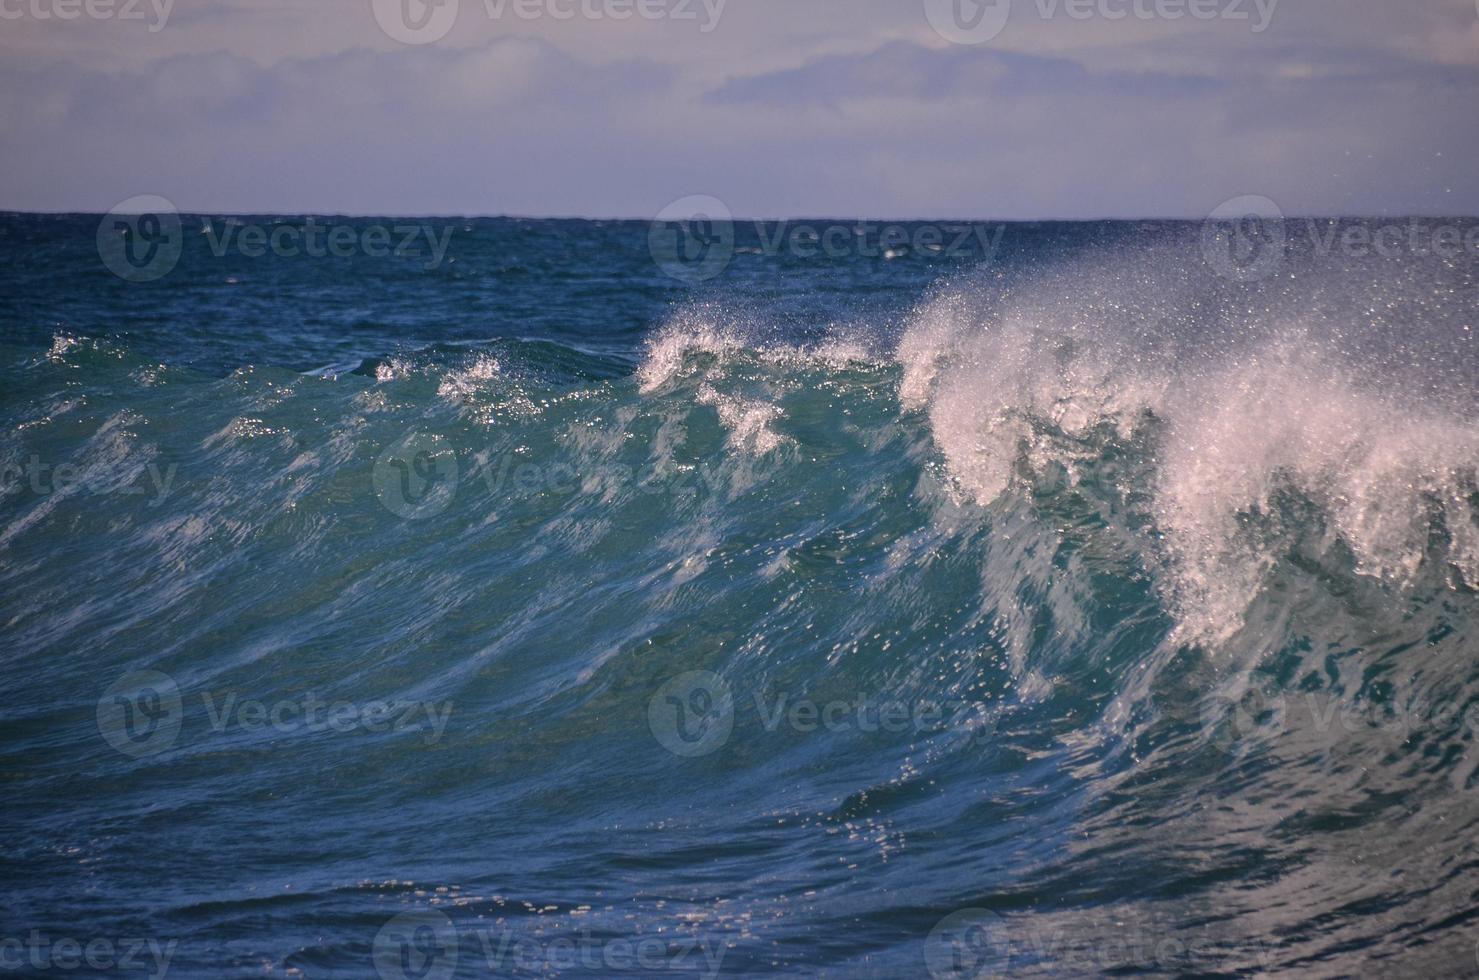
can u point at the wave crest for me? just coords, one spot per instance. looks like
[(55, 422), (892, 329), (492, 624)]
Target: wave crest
[(1042, 377)]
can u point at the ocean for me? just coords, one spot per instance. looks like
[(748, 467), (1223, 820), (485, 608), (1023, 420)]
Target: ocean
[(453, 597)]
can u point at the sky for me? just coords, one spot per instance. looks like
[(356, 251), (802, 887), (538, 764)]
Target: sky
[(1016, 109)]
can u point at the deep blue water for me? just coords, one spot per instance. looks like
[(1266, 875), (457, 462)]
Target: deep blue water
[(1068, 602)]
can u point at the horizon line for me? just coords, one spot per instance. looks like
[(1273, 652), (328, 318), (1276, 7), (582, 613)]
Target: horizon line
[(736, 219)]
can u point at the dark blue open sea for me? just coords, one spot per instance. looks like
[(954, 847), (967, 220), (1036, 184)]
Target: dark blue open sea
[(501, 597)]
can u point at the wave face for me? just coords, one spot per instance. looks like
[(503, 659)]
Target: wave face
[(1075, 611)]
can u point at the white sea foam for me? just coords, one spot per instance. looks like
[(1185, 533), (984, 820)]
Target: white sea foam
[(1027, 380), (670, 350), (392, 368), (700, 345), (747, 419), (461, 384)]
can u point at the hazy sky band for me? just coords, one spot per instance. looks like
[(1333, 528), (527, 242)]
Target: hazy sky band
[(614, 108)]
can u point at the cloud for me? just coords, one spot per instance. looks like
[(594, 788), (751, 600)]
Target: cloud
[(902, 70), (337, 132), (1018, 135), (831, 110)]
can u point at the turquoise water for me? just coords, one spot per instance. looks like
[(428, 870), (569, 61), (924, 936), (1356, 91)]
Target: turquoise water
[(1056, 606)]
